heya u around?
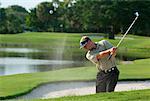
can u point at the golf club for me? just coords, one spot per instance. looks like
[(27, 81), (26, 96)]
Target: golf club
[(137, 15)]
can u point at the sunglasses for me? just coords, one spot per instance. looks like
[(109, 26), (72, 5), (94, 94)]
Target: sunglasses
[(83, 43)]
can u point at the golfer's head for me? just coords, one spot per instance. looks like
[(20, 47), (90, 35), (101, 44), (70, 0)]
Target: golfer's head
[(85, 43)]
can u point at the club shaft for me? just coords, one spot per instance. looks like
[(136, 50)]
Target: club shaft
[(124, 36), (126, 32)]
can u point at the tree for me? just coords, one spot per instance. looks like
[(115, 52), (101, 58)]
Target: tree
[(32, 22), (143, 23), (104, 16), (16, 16), (46, 16), (73, 17), (3, 18)]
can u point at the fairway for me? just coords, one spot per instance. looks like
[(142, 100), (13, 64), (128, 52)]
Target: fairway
[(133, 47), (32, 80)]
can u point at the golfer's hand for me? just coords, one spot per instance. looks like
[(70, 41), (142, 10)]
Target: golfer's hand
[(113, 50)]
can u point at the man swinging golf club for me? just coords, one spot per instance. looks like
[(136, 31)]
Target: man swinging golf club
[(98, 53), (103, 54)]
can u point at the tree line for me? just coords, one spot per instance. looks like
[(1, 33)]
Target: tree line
[(96, 16)]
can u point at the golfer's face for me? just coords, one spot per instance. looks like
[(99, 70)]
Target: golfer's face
[(88, 46)]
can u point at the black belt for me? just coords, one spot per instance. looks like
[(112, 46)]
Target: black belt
[(109, 70)]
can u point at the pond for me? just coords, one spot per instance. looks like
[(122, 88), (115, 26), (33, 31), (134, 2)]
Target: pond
[(18, 50), (28, 60), (59, 89), (11, 65)]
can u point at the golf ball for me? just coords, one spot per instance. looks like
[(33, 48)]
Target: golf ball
[(51, 11)]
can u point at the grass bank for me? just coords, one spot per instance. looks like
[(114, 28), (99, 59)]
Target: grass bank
[(15, 85), (133, 47), (139, 95)]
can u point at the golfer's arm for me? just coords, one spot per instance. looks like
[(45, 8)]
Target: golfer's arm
[(103, 54)]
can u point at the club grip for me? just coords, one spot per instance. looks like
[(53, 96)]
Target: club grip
[(109, 56)]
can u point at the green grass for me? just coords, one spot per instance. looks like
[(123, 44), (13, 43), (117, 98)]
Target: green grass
[(137, 47), (139, 69), (37, 38), (15, 85), (139, 95), (134, 48), (46, 38)]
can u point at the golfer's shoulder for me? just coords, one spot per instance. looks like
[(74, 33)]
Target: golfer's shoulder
[(103, 42)]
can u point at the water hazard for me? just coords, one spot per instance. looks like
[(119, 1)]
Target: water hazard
[(28, 60), (18, 65)]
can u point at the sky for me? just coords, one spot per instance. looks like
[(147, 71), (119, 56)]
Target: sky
[(28, 4)]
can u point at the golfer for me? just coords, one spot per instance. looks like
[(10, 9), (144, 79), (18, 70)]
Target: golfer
[(98, 53)]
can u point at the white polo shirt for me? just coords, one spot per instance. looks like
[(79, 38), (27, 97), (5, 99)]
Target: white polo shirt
[(103, 63)]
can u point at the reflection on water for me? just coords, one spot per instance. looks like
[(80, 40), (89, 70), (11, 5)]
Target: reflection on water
[(18, 50), (16, 60), (18, 65), (24, 61)]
